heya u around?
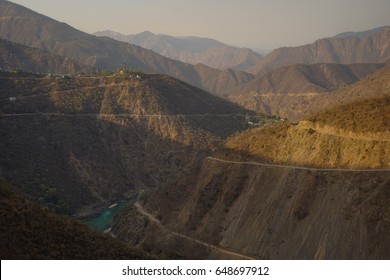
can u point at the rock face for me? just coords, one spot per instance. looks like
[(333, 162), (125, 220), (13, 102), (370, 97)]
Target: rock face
[(92, 140), (193, 50), (280, 193)]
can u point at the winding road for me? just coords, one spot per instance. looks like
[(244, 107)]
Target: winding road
[(153, 219), (296, 167), (117, 115)]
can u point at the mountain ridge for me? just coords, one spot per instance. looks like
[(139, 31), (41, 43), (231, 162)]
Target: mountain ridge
[(374, 48), (20, 57), (191, 49), (359, 34), (297, 106), (307, 78), (202, 177), (24, 26)]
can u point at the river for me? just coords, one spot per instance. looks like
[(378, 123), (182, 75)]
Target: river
[(103, 219)]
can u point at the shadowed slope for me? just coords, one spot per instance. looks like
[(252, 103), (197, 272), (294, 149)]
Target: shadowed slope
[(28, 231), (279, 211), (93, 140)]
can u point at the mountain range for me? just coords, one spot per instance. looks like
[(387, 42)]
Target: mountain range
[(369, 47), (298, 105), (300, 78), (190, 49), (21, 25), (360, 34), (200, 177)]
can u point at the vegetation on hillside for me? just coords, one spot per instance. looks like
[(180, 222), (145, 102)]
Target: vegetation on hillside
[(372, 115), (350, 136)]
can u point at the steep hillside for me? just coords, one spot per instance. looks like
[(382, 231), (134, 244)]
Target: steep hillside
[(221, 81), (301, 78), (267, 213), (193, 50), (93, 140), (373, 48), (254, 198), (23, 26), (15, 56), (28, 231), (296, 106), (356, 135)]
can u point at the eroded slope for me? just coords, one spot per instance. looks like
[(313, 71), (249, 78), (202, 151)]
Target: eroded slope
[(255, 198), (354, 136)]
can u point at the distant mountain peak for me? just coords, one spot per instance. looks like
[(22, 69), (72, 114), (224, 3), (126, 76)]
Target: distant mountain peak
[(345, 48), (191, 49), (23, 26), (361, 34)]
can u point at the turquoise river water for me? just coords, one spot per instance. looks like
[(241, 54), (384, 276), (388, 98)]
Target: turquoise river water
[(102, 221)]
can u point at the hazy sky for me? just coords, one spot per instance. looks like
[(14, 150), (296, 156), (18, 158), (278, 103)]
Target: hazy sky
[(262, 24)]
